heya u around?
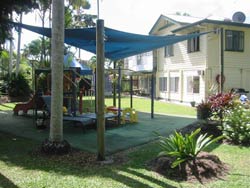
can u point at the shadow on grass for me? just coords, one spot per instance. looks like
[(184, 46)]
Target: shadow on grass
[(148, 178), (15, 152), (6, 183)]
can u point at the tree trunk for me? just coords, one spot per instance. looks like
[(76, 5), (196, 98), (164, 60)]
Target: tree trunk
[(56, 119), (19, 45)]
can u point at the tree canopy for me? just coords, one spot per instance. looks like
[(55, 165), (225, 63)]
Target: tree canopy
[(7, 7)]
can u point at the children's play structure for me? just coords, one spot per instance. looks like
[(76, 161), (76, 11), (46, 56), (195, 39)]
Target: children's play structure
[(77, 84)]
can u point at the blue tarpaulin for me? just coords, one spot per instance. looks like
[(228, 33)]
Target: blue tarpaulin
[(118, 44)]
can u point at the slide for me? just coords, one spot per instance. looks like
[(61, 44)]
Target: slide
[(28, 106)]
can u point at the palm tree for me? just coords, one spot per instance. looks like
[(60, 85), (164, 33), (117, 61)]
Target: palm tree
[(55, 142), (43, 8), (56, 131), (76, 17), (33, 50)]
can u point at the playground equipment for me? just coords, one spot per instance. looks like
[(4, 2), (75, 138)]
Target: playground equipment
[(33, 103), (83, 119), (127, 114)]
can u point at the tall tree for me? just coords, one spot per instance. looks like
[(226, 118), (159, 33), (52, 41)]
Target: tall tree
[(56, 144), (6, 9), (44, 7), (56, 127), (76, 17), (33, 50)]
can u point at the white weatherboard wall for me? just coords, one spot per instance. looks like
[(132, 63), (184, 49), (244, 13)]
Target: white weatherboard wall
[(183, 64), (236, 64)]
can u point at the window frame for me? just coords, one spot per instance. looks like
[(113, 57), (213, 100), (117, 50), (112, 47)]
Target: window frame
[(175, 88), (191, 89), (169, 50), (236, 43), (163, 83), (193, 44)]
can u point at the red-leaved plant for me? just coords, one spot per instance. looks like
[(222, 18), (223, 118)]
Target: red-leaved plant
[(220, 102)]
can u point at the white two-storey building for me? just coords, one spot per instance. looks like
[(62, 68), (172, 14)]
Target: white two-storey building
[(189, 70)]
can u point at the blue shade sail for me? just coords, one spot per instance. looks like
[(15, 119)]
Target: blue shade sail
[(118, 44)]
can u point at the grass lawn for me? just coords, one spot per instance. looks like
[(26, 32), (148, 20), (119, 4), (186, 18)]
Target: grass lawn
[(20, 169), (7, 106), (140, 104), (144, 105)]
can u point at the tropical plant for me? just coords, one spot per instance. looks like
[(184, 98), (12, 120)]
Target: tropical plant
[(236, 125), (6, 10), (220, 102), (75, 13), (4, 63), (185, 147), (34, 50), (204, 110), (18, 86)]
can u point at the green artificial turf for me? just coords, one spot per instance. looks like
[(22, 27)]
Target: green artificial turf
[(117, 138)]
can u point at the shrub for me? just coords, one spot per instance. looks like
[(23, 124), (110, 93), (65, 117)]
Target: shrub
[(204, 110), (220, 102), (18, 86), (187, 147), (236, 125)]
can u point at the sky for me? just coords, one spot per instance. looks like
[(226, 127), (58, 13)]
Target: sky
[(139, 16)]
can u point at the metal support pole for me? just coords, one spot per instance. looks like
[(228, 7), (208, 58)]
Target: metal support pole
[(74, 94), (222, 61), (95, 92), (114, 85), (100, 89), (152, 96), (119, 95), (131, 91)]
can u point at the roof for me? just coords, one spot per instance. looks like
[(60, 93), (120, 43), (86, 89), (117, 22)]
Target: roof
[(175, 19), (210, 21), (185, 22), (182, 19)]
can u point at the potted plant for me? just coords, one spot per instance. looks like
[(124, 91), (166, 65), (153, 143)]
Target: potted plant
[(192, 103)]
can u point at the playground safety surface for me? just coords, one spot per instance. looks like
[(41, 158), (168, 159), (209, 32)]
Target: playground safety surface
[(116, 138)]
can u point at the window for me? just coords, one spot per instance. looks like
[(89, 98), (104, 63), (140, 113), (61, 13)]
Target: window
[(139, 59), (163, 84), (193, 44), (169, 51), (145, 83), (174, 84), (234, 40), (193, 84), (190, 84)]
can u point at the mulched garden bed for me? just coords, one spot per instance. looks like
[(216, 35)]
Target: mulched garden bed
[(205, 168), (209, 127)]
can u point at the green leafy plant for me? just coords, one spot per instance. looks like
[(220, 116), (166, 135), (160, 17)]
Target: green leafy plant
[(18, 86), (236, 125), (185, 147)]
